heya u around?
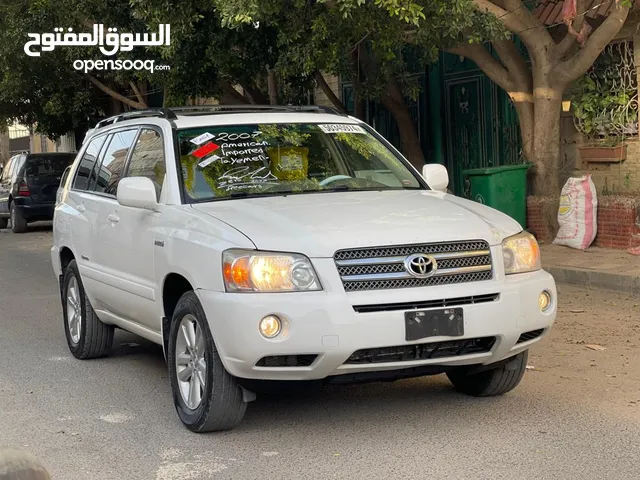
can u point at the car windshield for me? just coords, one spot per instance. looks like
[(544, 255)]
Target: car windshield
[(224, 162)]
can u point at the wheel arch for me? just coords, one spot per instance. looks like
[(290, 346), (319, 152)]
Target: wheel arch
[(174, 286), (66, 256)]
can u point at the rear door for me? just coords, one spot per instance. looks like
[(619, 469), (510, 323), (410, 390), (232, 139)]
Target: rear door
[(82, 214), (43, 174)]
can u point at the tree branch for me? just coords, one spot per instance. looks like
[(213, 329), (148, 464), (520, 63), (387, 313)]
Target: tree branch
[(489, 65), (254, 95), (113, 93), (536, 33), (569, 39), (138, 94), (322, 83), (571, 69), (517, 18), (509, 19), (232, 93), (516, 66)]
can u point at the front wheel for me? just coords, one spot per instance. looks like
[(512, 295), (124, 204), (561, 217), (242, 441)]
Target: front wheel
[(496, 381), (207, 398)]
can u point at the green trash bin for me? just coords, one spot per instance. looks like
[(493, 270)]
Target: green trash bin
[(503, 188)]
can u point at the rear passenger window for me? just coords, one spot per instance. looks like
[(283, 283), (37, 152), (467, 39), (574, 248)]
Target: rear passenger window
[(147, 159), (81, 182), (6, 172), (113, 162)]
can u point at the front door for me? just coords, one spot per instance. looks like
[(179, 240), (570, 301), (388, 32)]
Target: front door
[(130, 238)]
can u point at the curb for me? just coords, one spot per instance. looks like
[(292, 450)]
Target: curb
[(596, 280)]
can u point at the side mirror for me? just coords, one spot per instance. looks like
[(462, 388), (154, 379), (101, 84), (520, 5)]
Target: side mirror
[(137, 192), (436, 176)]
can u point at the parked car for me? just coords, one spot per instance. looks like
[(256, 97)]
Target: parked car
[(274, 244), (28, 188)]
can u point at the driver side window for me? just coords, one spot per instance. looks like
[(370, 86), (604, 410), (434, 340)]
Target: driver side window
[(147, 159)]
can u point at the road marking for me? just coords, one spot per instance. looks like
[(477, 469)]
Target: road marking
[(115, 417)]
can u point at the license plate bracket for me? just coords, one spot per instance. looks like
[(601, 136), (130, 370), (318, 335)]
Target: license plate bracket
[(447, 322)]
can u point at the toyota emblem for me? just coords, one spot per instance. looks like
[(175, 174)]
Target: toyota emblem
[(420, 265)]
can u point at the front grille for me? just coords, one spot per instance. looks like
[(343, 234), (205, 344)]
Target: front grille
[(287, 361), (442, 303), (377, 268), (526, 336), (423, 351)]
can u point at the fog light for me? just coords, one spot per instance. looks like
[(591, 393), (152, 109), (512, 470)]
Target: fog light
[(270, 326), (544, 301)]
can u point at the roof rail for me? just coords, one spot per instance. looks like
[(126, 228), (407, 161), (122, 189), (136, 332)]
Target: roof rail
[(147, 112), (170, 113), (212, 109)]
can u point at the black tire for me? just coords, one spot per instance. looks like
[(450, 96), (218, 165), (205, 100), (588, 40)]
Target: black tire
[(95, 338), (222, 405), (3, 223), (497, 381), (18, 222)]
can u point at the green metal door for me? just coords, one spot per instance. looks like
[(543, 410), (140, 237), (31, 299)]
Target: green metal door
[(481, 122), (465, 129)]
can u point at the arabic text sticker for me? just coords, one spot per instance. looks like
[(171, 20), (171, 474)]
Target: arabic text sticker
[(200, 139), (205, 150), (341, 128), (208, 160), (290, 162)]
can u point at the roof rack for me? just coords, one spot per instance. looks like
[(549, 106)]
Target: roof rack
[(170, 113), (212, 109), (147, 112)]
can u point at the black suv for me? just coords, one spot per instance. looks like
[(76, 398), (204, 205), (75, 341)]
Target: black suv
[(28, 187)]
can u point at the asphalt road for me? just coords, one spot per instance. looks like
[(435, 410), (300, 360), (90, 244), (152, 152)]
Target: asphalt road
[(113, 418)]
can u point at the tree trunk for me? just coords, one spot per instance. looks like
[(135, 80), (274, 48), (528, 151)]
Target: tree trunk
[(272, 83), (526, 119), (546, 141), (410, 142)]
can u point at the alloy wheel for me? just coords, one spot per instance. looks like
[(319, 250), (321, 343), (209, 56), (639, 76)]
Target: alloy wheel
[(74, 312), (191, 365)]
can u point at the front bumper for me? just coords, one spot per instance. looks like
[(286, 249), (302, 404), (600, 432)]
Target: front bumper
[(325, 324)]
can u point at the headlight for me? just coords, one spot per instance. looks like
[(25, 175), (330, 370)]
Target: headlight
[(255, 271), (521, 254)]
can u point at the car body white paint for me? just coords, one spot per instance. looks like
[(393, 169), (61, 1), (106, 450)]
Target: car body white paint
[(123, 267)]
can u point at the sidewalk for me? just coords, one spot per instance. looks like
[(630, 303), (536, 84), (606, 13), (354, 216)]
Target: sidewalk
[(595, 268)]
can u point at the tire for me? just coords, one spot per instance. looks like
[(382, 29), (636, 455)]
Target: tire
[(18, 222), (88, 337), (3, 223), (489, 383), (221, 404)]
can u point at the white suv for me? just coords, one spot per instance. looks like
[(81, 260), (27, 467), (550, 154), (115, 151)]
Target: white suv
[(288, 244)]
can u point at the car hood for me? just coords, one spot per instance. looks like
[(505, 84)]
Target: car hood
[(319, 224)]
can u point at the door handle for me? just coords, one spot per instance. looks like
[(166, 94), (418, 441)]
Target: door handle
[(113, 218), (81, 208)]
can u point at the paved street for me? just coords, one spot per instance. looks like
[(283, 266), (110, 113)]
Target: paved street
[(575, 416)]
